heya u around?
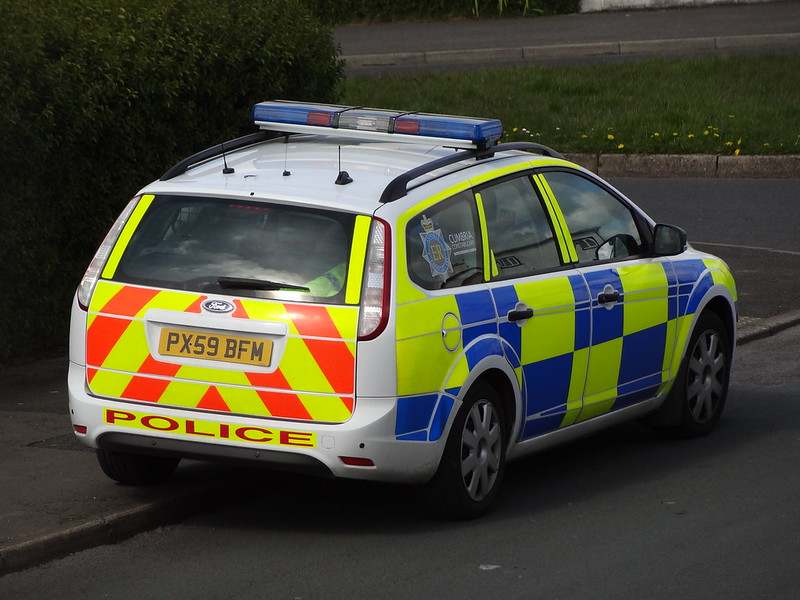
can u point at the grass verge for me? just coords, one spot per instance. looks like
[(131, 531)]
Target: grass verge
[(706, 105)]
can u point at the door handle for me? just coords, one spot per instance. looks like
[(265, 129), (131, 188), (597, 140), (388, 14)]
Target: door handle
[(520, 314), (608, 297)]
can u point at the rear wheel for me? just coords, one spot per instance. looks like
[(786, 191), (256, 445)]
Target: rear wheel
[(699, 392), (473, 462), (137, 469)]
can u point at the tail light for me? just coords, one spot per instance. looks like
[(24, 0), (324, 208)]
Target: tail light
[(89, 280), (375, 291)]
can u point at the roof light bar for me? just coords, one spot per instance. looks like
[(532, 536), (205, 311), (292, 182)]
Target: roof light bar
[(376, 124)]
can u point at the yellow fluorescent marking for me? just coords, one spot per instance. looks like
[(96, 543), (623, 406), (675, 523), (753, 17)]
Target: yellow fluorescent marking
[(421, 318), (358, 254), (604, 366), (103, 293), (345, 318), (183, 393), (301, 370), (565, 243), (125, 236), (243, 401), (483, 177), (169, 300), (552, 330), (322, 408), (130, 351), (422, 364), (110, 383), (459, 373), (488, 261)]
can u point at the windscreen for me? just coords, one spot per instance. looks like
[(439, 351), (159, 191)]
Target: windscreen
[(249, 249)]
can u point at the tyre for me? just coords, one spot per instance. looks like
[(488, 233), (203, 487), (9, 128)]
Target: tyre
[(473, 461), (699, 392), (137, 469)]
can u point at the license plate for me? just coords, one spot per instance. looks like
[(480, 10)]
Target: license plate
[(213, 346)]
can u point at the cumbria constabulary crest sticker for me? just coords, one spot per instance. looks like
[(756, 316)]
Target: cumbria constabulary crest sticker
[(435, 250)]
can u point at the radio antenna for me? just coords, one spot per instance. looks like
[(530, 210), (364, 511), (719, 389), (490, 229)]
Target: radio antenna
[(226, 170), (286, 172), (344, 177)]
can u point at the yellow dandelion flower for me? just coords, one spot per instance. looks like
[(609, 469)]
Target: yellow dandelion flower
[(515, 130), (674, 134), (739, 142), (690, 136), (706, 132), (729, 143), (656, 134), (736, 152), (610, 137), (584, 136), (620, 147)]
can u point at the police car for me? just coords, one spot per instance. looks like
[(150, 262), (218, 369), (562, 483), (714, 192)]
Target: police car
[(388, 296)]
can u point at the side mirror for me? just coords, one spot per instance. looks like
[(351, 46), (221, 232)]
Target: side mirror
[(669, 240)]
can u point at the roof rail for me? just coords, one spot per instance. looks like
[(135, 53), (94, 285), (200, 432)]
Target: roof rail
[(398, 187), (235, 144)]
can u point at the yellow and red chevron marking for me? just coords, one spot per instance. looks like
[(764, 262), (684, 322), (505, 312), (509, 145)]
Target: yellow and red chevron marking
[(314, 381)]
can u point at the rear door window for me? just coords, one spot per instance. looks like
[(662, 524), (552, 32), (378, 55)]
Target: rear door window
[(241, 248)]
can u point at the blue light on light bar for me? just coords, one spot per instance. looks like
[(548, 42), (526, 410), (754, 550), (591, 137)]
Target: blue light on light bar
[(299, 117)]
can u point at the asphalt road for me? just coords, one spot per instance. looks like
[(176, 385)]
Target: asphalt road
[(621, 515)]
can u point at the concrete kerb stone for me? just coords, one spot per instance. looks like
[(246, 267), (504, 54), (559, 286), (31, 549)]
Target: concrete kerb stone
[(763, 40), (674, 45), (477, 55), (756, 167), (767, 327), (557, 51), (112, 528), (705, 166)]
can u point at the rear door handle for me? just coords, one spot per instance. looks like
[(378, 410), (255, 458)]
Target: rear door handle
[(520, 314)]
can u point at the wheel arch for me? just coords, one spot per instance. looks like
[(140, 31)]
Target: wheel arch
[(507, 394)]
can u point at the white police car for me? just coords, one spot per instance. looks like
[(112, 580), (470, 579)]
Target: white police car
[(388, 296)]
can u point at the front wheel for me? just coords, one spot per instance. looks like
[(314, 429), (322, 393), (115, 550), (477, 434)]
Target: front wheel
[(473, 462), (699, 392)]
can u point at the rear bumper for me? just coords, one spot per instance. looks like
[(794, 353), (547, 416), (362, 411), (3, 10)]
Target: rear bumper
[(299, 446)]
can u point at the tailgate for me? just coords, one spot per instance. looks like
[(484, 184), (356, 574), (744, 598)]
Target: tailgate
[(237, 355)]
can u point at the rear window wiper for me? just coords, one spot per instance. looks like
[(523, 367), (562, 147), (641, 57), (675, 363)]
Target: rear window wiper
[(242, 283)]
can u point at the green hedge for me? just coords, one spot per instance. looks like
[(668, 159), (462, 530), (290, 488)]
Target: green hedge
[(98, 97), (352, 11)]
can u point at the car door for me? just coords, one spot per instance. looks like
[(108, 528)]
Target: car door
[(542, 302), (632, 294)]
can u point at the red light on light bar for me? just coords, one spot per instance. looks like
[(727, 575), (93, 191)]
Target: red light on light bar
[(319, 118), (82, 429), (406, 126), (357, 461)]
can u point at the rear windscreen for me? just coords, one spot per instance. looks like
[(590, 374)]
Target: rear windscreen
[(240, 248)]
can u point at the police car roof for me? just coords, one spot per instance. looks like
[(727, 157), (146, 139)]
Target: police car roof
[(304, 169)]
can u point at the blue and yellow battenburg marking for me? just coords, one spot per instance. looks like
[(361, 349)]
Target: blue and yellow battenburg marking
[(575, 359)]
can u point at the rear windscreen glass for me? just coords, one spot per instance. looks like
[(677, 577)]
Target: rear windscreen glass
[(240, 248)]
